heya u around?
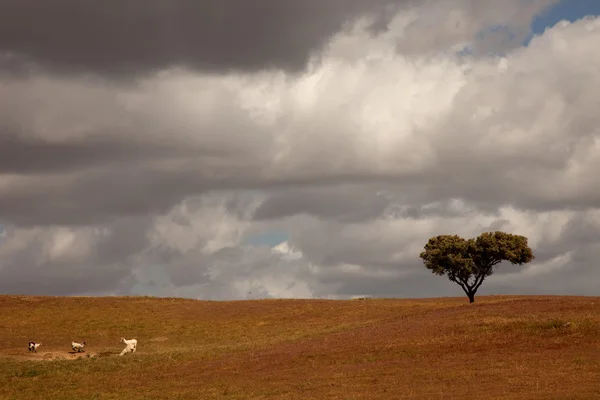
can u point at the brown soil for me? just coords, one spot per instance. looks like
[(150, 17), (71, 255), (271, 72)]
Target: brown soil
[(49, 355)]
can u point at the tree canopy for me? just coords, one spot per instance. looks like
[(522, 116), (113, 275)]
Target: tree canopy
[(468, 262)]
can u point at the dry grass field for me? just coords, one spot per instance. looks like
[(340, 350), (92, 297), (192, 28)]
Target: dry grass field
[(498, 348)]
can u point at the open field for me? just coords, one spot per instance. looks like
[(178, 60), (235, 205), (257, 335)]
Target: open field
[(498, 348)]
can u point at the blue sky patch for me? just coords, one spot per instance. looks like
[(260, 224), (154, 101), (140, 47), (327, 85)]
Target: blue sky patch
[(570, 10), (270, 238)]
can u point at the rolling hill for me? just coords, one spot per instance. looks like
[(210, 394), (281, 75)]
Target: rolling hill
[(501, 347)]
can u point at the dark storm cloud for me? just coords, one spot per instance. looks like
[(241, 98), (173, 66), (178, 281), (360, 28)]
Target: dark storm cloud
[(420, 283), (60, 280), (133, 36), (362, 202), (30, 155), (95, 198), (351, 203), (42, 270)]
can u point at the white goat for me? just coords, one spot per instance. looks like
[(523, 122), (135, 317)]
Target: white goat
[(130, 346), (78, 347), (33, 346)]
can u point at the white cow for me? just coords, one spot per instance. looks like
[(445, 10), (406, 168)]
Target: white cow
[(130, 346), (33, 346), (78, 347)]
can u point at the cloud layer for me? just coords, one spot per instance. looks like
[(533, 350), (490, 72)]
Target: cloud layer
[(142, 35), (359, 134)]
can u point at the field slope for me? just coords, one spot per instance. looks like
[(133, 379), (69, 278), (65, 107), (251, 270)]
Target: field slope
[(501, 347)]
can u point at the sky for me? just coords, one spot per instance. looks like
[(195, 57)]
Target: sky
[(226, 150)]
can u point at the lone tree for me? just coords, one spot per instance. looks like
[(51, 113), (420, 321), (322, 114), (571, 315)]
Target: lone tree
[(469, 262)]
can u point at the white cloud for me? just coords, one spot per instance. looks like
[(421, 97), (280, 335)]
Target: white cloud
[(360, 161)]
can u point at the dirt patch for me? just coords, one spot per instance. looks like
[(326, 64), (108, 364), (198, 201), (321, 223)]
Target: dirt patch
[(57, 355), (159, 339), (52, 356)]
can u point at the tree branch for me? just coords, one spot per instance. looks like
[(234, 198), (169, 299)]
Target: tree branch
[(463, 288), (460, 282), (464, 282), (481, 278), (482, 275)]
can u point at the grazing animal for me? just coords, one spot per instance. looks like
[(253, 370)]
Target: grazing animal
[(78, 347), (33, 346), (130, 346)]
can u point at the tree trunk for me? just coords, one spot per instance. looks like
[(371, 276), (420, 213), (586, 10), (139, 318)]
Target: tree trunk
[(471, 296)]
